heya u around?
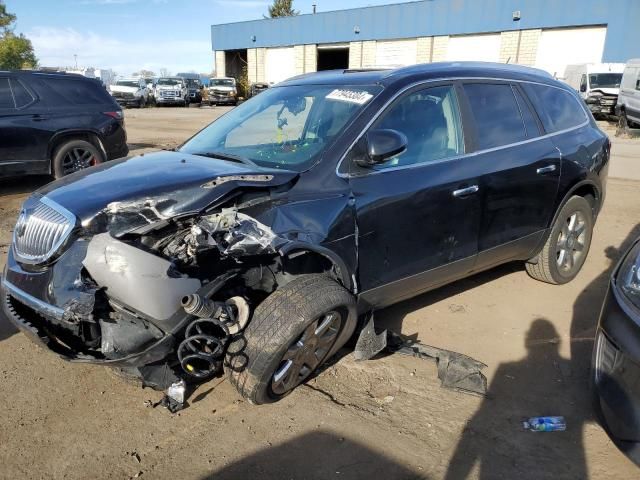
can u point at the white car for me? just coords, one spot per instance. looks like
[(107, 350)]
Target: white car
[(171, 91), (223, 90), (130, 92), (628, 107), (597, 83)]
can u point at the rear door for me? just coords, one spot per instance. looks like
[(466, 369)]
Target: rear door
[(630, 93), (417, 214), (521, 171), (23, 142)]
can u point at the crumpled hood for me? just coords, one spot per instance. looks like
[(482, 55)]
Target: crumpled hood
[(606, 91), (125, 194)]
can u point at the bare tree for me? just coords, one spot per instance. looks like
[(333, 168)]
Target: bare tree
[(164, 72)]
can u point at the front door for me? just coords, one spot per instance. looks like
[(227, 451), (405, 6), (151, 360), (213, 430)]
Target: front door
[(418, 214)]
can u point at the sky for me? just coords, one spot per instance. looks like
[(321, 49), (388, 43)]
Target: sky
[(129, 35)]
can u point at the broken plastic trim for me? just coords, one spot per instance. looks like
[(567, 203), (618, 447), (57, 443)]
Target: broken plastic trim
[(455, 370)]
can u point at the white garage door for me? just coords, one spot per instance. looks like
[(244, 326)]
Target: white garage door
[(478, 48), (568, 46), (279, 64), (396, 53)]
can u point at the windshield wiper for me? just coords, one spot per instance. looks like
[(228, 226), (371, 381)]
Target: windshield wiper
[(227, 156)]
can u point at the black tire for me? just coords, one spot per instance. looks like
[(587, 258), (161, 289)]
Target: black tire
[(551, 264), (279, 325), (62, 157), (142, 103)]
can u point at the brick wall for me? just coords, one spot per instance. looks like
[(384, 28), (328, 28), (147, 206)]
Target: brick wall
[(520, 46), (440, 48), (310, 58), (423, 49)]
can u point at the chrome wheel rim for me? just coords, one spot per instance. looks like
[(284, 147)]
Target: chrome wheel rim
[(305, 354), (76, 159), (571, 242)]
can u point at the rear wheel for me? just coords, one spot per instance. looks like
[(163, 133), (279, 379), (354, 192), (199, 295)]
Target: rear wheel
[(291, 334), (566, 249), (75, 155)]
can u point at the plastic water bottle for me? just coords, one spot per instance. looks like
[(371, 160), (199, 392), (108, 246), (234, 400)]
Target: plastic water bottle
[(545, 424)]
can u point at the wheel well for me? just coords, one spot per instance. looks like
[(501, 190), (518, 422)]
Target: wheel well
[(590, 194), (65, 137), (302, 262)]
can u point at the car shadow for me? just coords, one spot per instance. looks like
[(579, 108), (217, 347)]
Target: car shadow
[(21, 185), (316, 455), (6, 328)]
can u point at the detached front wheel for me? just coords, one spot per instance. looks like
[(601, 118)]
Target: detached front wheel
[(292, 333)]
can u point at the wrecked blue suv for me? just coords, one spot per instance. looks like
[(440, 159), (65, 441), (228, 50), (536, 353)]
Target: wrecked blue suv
[(254, 246)]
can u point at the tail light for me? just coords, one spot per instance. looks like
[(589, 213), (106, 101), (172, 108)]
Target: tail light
[(118, 115)]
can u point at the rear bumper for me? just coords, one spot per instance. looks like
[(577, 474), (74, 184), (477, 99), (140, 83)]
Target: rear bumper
[(115, 142), (127, 102), (616, 371)]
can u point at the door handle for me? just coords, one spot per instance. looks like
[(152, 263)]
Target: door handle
[(463, 192), (38, 118), (547, 169)]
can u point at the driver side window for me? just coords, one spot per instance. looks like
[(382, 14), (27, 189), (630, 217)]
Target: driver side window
[(430, 120)]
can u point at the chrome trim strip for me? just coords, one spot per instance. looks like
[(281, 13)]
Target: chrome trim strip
[(33, 302), (457, 157)]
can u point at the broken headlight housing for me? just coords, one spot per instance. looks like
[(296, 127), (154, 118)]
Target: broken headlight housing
[(628, 279)]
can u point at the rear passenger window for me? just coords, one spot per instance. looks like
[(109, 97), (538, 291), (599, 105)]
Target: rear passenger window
[(6, 100), (78, 91), (530, 123), (21, 95), (497, 116), (559, 109)]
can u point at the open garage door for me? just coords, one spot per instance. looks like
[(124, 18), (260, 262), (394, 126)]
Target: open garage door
[(560, 47), (279, 64), (478, 48), (396, 53)]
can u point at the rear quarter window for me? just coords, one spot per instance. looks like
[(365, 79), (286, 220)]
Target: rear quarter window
[(77, 91), (6, 99), (557, 108)]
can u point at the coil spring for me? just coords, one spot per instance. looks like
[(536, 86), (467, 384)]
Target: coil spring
[(201, 352)]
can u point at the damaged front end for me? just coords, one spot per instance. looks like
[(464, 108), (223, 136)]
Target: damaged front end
[(132, 287)]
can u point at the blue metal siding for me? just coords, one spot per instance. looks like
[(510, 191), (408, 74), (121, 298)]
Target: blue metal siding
[(440, 17)]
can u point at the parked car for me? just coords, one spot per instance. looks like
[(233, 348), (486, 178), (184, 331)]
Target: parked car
[(151, 89), (628, 107), (255, 246), (598, 84), (257, 88), (130, 92), (223, 90), (194, 87), (56, 123), (616, 355), (171, 91)]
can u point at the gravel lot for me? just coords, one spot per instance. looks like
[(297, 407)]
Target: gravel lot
[(386, 418)]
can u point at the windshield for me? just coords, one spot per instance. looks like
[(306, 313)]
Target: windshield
[(169, 81), (605, 80), (127, 83), (284, 127), (192, 82), (224, 82)]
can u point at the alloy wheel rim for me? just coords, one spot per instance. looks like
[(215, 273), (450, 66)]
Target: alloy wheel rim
[(571, 243), (305, 354), (77, 159)]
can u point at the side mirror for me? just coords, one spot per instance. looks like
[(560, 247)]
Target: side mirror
[(382, 145), (583, 88)]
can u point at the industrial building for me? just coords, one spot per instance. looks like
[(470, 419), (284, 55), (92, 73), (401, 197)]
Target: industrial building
[(548, 34)]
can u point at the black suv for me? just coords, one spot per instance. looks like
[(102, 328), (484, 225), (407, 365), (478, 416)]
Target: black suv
[(256, 245), (55, 123)]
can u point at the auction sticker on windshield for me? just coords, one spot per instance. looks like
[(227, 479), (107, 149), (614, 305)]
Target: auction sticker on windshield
[(351, 96)]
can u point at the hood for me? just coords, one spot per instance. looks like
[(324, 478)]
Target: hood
[(123, 88), (222, 88), (122, 195), (606, 91), (169, 87)]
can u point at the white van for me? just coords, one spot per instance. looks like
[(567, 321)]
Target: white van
[(597, 83), (628, 107)]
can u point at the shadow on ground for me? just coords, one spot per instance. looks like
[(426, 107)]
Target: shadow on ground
[(21, 185), (317, 455), (6, 328)]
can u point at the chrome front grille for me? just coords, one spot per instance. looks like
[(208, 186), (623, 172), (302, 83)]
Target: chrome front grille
[(605, 357), (41, 230)]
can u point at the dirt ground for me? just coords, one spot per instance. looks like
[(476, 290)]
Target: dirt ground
[(386, 418)]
